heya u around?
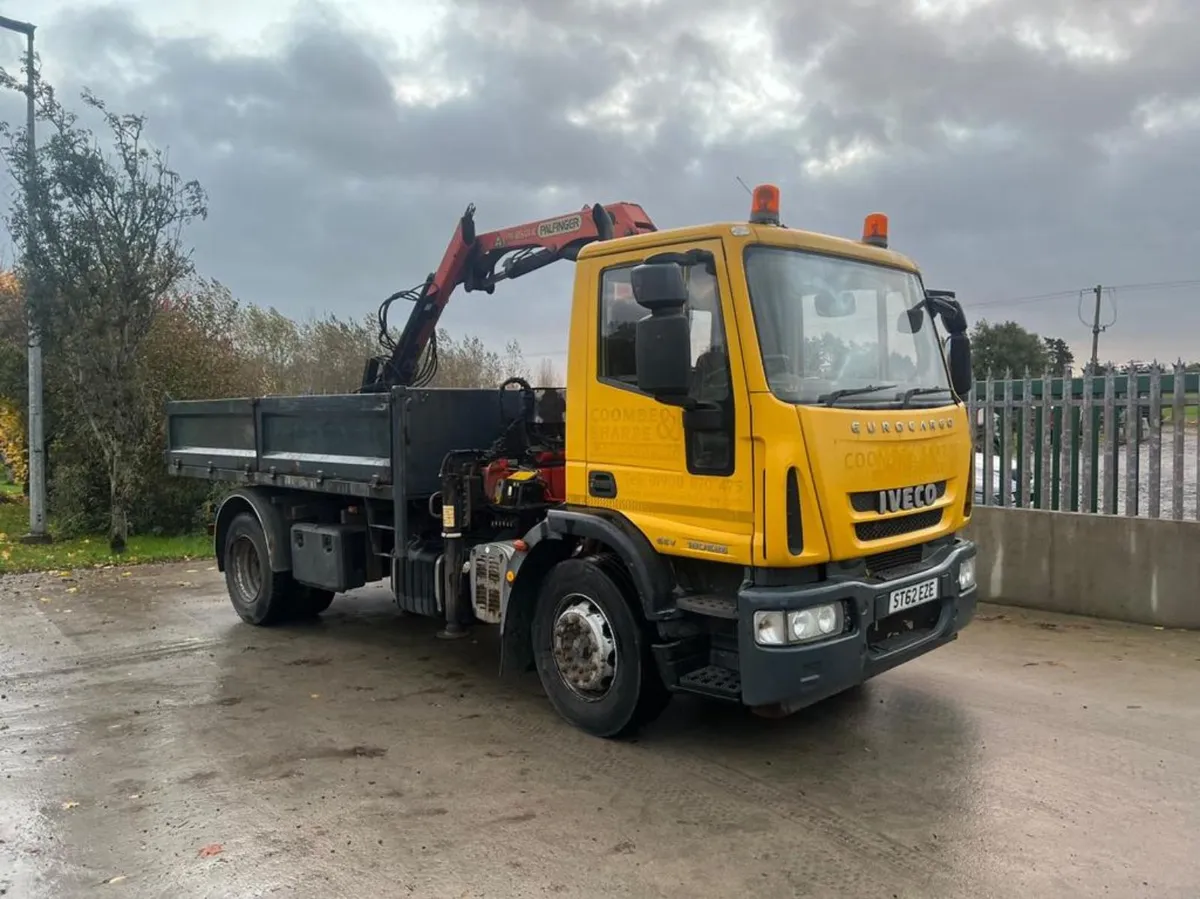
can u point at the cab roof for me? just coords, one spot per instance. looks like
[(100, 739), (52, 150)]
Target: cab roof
[(750, 233)]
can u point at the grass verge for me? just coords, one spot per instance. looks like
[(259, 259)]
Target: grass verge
[(82, 552)]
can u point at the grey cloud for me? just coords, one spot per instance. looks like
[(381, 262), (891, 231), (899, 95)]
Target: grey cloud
[(328, 193)]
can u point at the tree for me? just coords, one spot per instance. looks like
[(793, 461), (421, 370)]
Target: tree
[(1058, 354), (1001, 349), (547, 374), (469, 363), (101, 244), (14, 338)]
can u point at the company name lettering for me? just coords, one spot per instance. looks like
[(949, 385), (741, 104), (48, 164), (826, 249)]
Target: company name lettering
[(896, 457)]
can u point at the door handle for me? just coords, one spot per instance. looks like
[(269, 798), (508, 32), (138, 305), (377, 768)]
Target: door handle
[(602, 484)]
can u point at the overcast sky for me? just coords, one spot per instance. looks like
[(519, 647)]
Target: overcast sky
[(1020, 147)]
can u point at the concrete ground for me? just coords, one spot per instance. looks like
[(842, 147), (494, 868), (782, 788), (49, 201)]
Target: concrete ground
[(152, 745)]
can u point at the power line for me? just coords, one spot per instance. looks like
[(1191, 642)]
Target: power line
[(1063, 294)]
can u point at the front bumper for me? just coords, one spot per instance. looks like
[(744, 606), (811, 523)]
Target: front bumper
[(799, 675)]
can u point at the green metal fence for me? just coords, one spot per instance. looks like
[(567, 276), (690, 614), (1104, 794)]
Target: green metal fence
[(1092, 444)]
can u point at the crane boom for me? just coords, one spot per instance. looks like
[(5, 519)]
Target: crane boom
[(471, 260)]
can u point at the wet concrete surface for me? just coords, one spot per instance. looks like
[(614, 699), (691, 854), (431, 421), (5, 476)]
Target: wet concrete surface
[(152, 745)]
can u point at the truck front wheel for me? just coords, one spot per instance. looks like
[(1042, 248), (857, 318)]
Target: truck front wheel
[(593, 650)]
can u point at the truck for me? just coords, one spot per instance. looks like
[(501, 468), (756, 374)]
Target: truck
[(753, 485)]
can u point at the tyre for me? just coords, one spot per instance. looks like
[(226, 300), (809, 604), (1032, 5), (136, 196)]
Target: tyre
[(259, 595), (592, 649), (309, 602)]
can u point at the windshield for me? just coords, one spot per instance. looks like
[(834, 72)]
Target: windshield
[(834, 330)]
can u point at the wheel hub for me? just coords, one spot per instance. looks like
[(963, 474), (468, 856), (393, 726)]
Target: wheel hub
[(583, 649), (247, 570)]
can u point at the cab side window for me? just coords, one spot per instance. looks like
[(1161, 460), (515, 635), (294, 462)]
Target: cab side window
[(619, 315), (709, 435)]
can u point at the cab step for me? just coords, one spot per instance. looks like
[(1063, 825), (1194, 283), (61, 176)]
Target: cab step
[(713, 680), (707, 604)]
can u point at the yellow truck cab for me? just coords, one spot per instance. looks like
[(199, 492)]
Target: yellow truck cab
[(782, 429), (765, 461)]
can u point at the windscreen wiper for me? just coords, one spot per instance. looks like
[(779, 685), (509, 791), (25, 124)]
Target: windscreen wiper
[(921, 391), (830, 398)]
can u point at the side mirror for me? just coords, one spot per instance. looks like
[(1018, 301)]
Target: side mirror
[(664, 338), (960, 364), (945, 305), (910, 320)]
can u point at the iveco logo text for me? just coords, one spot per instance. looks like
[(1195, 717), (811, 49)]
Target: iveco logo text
[(932, 424), (904, 498)]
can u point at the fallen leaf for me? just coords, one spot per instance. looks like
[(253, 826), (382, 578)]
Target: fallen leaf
[(44, 598), (116, 879), (69, 805), (211, 849), (126, 573), (72, 589)]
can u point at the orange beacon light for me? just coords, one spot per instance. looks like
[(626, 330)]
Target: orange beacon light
[(764, 207), (875, 230)]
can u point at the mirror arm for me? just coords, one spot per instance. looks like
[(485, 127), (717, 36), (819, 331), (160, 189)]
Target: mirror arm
[(686, 403)]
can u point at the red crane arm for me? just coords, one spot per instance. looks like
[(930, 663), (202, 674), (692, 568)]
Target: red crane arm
[(471, 260)]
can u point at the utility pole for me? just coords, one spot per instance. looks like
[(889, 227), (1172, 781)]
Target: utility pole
[(38, 532), (1096, 329)]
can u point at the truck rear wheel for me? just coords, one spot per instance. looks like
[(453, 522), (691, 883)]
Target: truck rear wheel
[(593, 650), (259, 595)]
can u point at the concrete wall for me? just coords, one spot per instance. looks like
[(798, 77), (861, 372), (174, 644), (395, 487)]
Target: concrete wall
[(1139, 570)]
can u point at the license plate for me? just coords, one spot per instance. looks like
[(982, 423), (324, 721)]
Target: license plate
[(912, 595)]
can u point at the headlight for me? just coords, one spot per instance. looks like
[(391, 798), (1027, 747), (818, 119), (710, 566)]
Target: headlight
[(966, 575), (802, 626)]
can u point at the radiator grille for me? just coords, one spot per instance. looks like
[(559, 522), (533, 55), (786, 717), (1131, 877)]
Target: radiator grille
[(884, 528)]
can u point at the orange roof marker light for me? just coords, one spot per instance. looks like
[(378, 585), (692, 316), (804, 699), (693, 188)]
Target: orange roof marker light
[(764, 207), (875, 230)]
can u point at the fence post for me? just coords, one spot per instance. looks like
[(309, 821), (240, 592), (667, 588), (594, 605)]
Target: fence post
[(1087, 487), (1006, 437), (1046, 444), (1132, 440), (989, 437), (1111, 455), (1178, 427), (1155, 416), (1026, 461), (1066, 441)]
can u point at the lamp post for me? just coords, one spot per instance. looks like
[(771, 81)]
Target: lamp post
[(38, 532)]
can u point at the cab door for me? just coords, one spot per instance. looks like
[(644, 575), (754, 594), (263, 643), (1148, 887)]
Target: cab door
[(684, 479)]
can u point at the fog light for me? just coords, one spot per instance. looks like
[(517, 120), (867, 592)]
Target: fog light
[(769, 629), (966, 575)]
